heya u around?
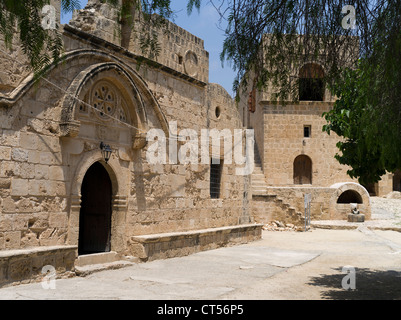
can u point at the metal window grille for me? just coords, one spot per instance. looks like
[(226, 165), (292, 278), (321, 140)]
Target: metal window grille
[(215, 179)]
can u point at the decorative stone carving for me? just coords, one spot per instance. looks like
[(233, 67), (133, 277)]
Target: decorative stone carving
[(106, 99), (191, 64), (70, 128), (139, 141), (106, 133)]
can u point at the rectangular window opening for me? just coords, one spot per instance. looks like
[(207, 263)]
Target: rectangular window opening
[(216, 170), (307, 131)]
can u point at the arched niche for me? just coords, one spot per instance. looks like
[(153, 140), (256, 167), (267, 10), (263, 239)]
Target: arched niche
[(346, 193), (350, 196)]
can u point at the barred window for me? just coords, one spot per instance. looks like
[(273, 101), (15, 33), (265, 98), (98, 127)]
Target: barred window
[(216, 170)]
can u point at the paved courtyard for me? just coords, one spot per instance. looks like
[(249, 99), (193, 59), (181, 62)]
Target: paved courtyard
[(283, 265)]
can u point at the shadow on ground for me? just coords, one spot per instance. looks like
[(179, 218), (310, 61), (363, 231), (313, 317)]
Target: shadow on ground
[(370, 285)]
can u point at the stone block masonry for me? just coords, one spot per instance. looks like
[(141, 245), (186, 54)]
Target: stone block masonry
[(178, 244), (25, 266), (50, 157)]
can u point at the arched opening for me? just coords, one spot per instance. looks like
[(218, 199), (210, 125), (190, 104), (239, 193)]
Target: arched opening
[(303, 170), (350, 196), (95, 213), (311, 83)]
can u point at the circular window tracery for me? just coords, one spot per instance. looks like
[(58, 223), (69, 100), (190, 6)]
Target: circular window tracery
[(105, 98)]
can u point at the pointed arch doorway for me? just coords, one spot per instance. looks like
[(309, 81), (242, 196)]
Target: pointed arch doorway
[(96, 210)]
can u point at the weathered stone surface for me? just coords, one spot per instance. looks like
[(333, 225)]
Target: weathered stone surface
[(22, 266), (170, 245), (356, 218)]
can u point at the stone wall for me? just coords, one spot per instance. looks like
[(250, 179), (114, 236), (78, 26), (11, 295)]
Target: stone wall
[(50, 140), (24, 266), (179, 49), (14, 64), (287, 204), (171, 245), (284, 141)]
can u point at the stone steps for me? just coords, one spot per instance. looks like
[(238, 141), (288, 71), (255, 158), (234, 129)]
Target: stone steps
[(259, 186), (98, 258), (91, 263), (87, 270)]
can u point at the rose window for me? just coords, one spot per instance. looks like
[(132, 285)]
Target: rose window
[(108, 102), (104, 100)]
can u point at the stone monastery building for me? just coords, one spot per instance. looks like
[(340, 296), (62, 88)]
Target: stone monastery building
[(62, 201)]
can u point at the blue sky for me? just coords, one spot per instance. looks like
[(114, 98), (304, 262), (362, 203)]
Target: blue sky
[(205, 26)]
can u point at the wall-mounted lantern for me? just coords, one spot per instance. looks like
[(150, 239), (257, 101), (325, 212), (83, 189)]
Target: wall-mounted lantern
[(106, 152)]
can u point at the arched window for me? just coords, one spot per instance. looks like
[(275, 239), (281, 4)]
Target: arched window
[(350, 196), (311, 83), (303, 170)]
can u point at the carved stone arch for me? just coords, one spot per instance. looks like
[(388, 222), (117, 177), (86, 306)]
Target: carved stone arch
[(341, 209), (83, 83), (130, 85), (113, 168), (314, 69), (119, 177), (68, 124), (343, 187)]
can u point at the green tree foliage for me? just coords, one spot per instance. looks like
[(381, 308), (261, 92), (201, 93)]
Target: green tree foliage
[(24, 19), (368, 113), (362, 66)]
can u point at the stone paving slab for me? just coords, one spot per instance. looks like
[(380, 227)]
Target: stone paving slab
[(345, 225), (205, 275)]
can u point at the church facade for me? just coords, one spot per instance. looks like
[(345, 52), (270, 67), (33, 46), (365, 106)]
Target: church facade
[(105, 156), (75, 174)]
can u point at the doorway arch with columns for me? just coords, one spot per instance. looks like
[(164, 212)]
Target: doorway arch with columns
[(96, 211), (107, 102)]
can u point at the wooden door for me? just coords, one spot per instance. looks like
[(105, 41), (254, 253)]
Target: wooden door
[(303, 170), (95, 215)]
